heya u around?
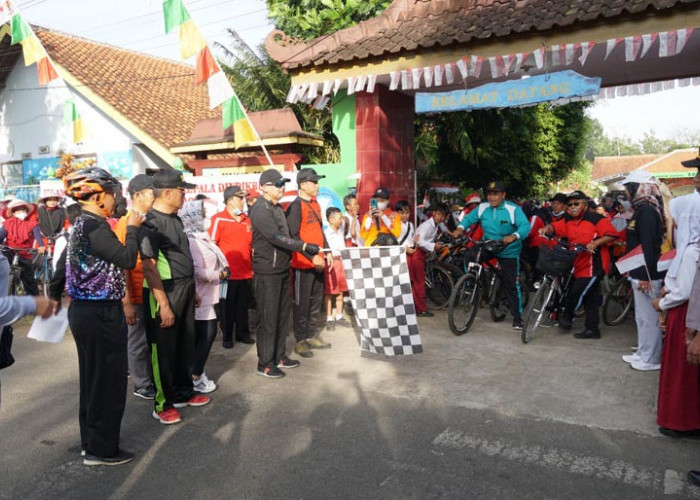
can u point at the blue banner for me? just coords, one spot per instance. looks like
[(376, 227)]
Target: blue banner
[(526, 91)]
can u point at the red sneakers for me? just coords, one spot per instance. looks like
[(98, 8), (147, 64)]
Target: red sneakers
[(197, 400), (167, 417)]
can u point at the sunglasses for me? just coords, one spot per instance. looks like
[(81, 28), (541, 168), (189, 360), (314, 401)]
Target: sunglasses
[(278, 184), (576, 203)]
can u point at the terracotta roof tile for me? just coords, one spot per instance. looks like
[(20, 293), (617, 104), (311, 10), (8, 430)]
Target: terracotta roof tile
[(414, 24), (157, 95), (606, 166)]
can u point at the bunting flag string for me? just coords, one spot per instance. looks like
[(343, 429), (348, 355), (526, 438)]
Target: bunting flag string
[(586, 48), (647, 41), (207, 69), (610, 45), (632, 46)]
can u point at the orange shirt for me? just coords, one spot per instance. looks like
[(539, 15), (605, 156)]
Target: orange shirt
[(235, 239), (134, 277), (369, 235)]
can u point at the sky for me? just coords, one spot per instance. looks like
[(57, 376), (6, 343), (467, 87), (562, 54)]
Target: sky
[(138, 25)]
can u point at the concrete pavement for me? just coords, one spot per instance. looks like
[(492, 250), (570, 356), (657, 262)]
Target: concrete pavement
[(477, 416)]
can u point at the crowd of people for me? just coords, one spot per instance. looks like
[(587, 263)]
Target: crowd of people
[(151, 285)]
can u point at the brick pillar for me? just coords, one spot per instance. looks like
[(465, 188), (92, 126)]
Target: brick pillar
[(384, 131)]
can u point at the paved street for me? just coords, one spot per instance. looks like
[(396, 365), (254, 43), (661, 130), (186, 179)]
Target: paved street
[(477, 416)]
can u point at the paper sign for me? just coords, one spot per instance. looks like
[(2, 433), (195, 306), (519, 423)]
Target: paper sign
[(51, 329)]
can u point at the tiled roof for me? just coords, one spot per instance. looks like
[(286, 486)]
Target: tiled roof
[(409, 25), (607, 166), (671, 163), (157, 95)]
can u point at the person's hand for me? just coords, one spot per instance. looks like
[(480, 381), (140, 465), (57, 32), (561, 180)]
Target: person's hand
[(135, 219), (167, 317), (44, 306), (655, 304), (224, 274), (130, 313), (312, 249), (410, 250), (438, 246), (662, 320), (690, 334), (509, 239), (197, 300), (318, 262), (329, 259), (664, 291), (41, 250), (374, 212), (693, 354), (548, 229), (644, 286), (592, 246), (55, 306)]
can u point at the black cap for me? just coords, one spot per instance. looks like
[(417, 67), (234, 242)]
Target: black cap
[(308, 174), (139, 183), (694, 163), (232, 191), (577, 195), (382, 193), (169, 178), (272, 176), (495, 186), (560, 197)]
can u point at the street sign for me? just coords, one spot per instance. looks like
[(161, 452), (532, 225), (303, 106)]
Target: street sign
[(526, 91)]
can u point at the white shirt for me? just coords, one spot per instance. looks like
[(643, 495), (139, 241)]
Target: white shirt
[(347, 221), (407, 227), (335, 239), (679, 287), (426, 233), (685, 211)]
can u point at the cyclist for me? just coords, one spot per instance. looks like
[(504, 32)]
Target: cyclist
[(583, 227), (52, 216), (20, 230), (503, 220)]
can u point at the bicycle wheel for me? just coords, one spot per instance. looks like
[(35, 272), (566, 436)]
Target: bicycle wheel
[(537, 310), (15, 286), (464, 304), (618, 304), (438, 287)]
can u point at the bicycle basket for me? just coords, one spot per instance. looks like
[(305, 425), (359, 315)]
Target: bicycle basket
[(556, 260)]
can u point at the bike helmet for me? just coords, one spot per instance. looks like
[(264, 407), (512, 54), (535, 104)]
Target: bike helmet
[(82, 184)]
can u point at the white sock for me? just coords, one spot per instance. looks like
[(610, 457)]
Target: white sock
[(329, 318), (338, 317)]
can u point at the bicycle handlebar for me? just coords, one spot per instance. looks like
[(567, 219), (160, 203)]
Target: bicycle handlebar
[(17, 250)]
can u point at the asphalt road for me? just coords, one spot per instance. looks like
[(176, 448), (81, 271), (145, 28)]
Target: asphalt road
[(478, 416)]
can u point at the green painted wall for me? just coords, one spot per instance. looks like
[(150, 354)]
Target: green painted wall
[(344, 128)]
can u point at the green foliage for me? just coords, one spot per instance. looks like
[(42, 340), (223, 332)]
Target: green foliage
[(526, 148), (313, 18)]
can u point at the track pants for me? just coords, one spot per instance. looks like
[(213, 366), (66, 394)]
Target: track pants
[(235, 310), (586, 292), (100, 333), (139, 353), (172, 349), (308, 299), (272, 298), (510, 270)]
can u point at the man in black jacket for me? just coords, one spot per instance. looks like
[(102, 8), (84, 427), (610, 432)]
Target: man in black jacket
[(272, 254)]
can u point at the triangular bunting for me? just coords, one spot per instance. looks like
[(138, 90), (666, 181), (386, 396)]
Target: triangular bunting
[(610, 45), (32, 50), (219, 89), (233, 115), (47, 73), (415, 76), (539, 57), (449, 74), (191, 40), (586, 48), (174, 13), (428, 76), (371, 82), (438, 74), (20, 29), (647, 41), (206, 66), (475, 67), (395, 78), (463, 67), (632, 46)]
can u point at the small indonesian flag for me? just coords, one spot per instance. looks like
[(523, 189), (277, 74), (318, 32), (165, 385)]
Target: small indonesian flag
[(631, 261), (665, 261)]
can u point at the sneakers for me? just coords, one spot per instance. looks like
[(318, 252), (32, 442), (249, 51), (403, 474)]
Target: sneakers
[(425, 314), (587, 334), (330, 325), (196, 400), (317, 343), (303, 349), (204, 385), (343, 323), (120, 458), (285, 362), (645, 367), (145, 392), (517, 324), (631, 357), (270, 371), (167, 417), (228, 344)]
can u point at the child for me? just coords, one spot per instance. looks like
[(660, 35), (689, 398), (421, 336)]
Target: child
[(335, 284), (408, 231)]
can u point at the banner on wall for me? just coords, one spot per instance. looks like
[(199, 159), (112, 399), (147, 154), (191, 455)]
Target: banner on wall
[(523, 92)]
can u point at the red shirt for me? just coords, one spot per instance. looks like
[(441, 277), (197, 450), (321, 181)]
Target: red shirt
[(582, 231), (305, 223), (235, 239)]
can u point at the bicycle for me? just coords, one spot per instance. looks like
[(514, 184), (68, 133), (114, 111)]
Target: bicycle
[(14, 280), (557, 263), (481, 276), (618, 301), (438, 283)]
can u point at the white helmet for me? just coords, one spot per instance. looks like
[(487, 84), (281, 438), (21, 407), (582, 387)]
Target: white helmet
[(639, 176)]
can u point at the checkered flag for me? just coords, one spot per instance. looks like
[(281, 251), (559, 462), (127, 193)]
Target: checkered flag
[(380, 291)]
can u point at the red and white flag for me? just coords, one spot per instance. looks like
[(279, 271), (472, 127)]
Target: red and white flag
[(672, 43), (520, 58), (647, 40), (439, 69), (475, 67), (415, 75), (395, 78), (539, 57), (449, 74), (632, 46), (586, 48), (665, 261), (463, 67), (428, 76), (611, 44), (7, 11), (632, 260)]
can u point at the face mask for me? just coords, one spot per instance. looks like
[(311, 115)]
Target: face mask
[(20, 214), (237, 211), (382, 205)]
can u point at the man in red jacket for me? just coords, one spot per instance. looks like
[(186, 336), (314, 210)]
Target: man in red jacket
[(21, 230), (305, 224), (231, 231)]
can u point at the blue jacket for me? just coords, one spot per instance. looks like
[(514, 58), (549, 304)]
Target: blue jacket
[(497, 223)]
